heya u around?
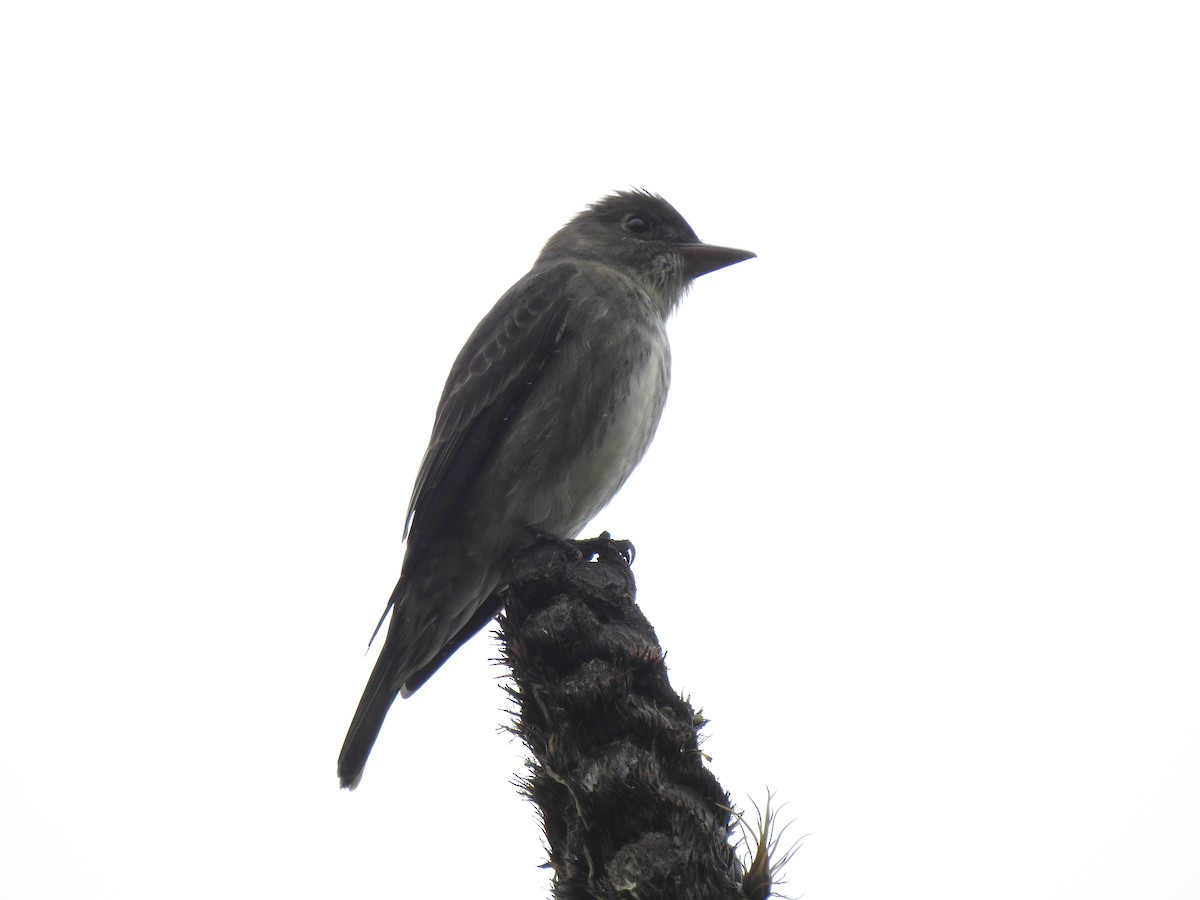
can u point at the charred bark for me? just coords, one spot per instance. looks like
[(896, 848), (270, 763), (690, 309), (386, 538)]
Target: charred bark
[(629, 808)]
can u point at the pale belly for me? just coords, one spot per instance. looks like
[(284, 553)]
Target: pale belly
[(602, 467), (586, 438)]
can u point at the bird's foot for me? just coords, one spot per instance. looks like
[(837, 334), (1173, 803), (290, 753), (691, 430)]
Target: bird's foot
[(602, 546), (605, 547)]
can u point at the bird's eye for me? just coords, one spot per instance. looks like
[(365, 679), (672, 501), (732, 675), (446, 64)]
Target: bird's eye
[(637, 224)]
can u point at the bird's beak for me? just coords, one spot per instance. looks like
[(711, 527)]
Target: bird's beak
[(700, 259)]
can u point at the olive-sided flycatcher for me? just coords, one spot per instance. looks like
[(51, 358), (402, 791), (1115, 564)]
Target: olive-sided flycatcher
[(548, 408)]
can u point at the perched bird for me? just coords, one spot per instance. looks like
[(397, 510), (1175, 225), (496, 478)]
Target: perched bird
[(548, 408)]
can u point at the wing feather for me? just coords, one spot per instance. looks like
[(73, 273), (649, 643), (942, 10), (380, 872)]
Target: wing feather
[(492, 374)]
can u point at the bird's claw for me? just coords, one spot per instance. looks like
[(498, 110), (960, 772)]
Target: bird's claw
[(605, 547)]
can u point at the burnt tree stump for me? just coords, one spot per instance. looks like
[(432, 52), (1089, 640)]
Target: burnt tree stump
[(628, 805)]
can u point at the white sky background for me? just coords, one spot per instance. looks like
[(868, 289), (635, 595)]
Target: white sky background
[(919, 531)]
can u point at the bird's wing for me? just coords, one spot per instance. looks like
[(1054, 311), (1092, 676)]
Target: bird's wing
[(493, 371)]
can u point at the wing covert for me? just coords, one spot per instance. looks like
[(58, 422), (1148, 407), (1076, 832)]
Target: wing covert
[(495, 368)]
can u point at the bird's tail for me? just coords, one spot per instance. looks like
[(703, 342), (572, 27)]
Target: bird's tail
[(364, 728), (378, 696)]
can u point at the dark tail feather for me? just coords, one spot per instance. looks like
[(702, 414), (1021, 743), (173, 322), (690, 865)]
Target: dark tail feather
[(376, 700), (482, 616), (389, 678)]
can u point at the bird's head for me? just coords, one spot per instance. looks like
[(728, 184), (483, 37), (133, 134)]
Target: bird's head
[(643, 236)]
